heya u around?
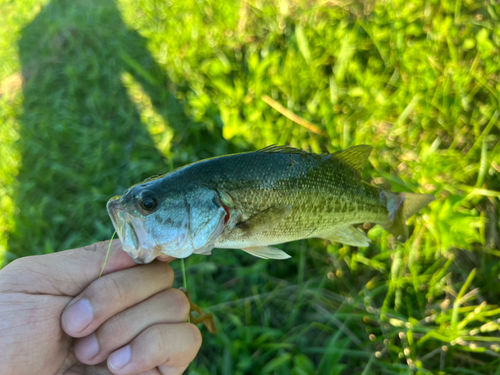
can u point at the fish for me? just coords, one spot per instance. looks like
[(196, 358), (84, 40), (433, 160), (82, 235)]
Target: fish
[(255, 200)]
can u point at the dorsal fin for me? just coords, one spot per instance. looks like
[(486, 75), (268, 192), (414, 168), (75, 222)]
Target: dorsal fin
[(283, 149), (355, 156)]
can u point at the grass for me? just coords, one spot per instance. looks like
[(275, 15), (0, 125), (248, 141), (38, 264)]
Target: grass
[(98, 95)]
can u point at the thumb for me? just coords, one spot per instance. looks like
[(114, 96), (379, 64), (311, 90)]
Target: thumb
[(67, 272)]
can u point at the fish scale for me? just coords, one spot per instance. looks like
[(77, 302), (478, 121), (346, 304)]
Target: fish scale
[(324, 192)]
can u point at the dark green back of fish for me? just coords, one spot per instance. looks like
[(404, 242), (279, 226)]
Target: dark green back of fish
[(324, 191)]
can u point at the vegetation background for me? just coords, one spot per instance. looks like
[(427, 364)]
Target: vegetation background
[(96, 95)]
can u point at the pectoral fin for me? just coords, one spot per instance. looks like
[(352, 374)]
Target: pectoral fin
[(267, 252), (266, 219), (348, 236)]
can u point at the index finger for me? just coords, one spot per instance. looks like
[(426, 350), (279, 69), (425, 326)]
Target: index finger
[(68, 272)]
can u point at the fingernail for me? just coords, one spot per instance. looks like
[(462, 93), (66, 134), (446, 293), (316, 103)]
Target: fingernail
[(87, 347), (79, 316), (120, 358)]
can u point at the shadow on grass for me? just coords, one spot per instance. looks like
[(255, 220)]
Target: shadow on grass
[(81, 137)]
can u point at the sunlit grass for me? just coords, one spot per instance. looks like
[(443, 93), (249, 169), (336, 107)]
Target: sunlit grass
[(157, 126), (115, 92)]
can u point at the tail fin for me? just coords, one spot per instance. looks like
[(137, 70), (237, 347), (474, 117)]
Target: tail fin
[(401, 206)]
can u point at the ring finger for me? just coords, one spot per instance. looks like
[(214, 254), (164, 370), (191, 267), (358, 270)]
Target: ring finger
[(169, 347)]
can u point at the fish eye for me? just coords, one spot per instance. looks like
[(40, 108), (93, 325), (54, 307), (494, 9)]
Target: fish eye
[(148, 201)]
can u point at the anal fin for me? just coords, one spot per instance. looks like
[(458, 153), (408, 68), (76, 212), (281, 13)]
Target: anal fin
[(266, 252), (348, 236)]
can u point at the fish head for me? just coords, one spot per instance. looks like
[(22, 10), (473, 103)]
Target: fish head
[(152, 220)]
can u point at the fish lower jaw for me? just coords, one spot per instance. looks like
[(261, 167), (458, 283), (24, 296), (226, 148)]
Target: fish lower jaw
[(147, 255)]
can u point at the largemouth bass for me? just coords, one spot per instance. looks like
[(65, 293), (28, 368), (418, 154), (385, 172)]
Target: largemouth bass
[(251, 201)]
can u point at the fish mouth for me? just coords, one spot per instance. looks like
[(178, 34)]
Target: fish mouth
[(124, 226)]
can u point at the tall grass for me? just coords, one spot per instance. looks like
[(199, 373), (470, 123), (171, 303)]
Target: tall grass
[(97, 95)]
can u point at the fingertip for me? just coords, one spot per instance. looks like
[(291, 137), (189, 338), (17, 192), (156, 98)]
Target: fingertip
[(180, 303), (167, 270), (197, 337), (165, 258), (87, 348), (120, 358), (162, 346), (77, 317)]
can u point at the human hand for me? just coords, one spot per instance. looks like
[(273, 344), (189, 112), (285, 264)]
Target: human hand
[(58, 317)]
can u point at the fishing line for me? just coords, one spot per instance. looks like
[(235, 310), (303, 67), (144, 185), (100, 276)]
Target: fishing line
[(185, 280), (107, 254), (182, 266)]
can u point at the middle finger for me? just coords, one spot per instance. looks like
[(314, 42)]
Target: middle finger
[(112, 294), (167, 307)]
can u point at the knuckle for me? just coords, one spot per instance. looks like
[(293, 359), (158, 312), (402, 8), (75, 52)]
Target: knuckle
[(114, 328), (13, 266), (160, 268), (92, 247), (96, 247), (86, 253), (110, 288), (141, 363), (25, 263), (19, 262), (156, 336), (187, 351), (9, 275)]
